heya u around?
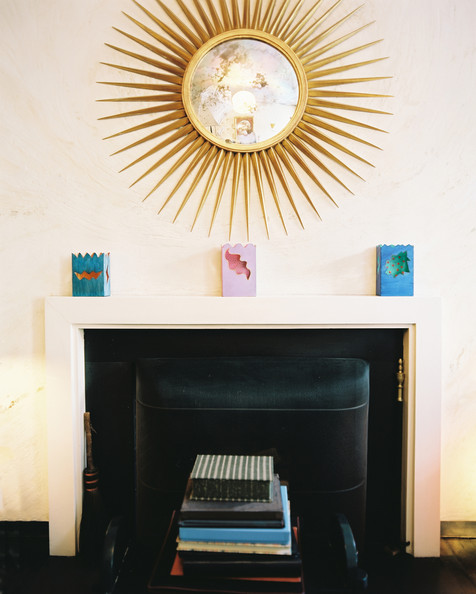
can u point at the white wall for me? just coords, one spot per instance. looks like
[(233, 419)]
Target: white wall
[(61, 193)]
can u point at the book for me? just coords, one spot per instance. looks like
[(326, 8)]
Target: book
[(266, 514), (162, 579), (243, 535), (178, 583), (220, 477), (242, 564), (250, 548), (272, 577)]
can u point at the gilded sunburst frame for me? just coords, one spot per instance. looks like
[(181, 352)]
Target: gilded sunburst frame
[(294, 152)]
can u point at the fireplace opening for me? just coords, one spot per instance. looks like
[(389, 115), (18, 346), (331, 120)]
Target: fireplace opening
[(110, 368)]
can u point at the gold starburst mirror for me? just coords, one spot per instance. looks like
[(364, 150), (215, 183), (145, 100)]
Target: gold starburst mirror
[(243, 99)]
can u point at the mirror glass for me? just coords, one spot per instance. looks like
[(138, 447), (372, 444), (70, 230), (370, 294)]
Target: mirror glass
[(244, 91)]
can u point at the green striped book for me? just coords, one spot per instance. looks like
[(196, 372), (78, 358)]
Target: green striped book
[(220, 477)]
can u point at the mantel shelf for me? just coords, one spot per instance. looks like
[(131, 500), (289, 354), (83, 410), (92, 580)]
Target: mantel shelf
[(341, 310)]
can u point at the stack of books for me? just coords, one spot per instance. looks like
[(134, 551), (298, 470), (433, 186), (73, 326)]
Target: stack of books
[(233, 531)]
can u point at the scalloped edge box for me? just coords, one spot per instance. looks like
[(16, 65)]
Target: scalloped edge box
[(91, 275), (238, 270), (395, 266)]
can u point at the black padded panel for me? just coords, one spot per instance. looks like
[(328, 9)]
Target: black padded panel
[(311, 413), (252, 382)]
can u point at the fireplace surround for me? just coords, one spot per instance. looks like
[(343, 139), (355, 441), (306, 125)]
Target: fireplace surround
[(68, 317)]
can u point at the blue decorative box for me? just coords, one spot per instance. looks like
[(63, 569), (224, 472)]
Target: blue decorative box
[(91, 275), (395, 266)]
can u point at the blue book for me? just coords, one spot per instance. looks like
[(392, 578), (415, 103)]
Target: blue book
[(260, 535)]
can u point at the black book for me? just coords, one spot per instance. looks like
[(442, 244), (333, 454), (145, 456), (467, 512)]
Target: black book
[(229, 514)]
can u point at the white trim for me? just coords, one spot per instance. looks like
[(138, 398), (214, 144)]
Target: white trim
[(67, 317)]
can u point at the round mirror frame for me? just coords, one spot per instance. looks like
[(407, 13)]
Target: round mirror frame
[(235, 35)]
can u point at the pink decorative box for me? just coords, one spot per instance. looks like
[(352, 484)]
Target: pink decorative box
[(238, 270)]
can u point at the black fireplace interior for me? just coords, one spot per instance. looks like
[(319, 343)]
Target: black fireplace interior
[(115, 357), (310, 413)]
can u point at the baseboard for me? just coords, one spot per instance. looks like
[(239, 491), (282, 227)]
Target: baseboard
[(23, 542), (458, 529)]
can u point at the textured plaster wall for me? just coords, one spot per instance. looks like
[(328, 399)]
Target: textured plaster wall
[(61, 193)]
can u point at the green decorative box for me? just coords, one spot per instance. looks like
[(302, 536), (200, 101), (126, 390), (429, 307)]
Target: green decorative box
[(217, 477)]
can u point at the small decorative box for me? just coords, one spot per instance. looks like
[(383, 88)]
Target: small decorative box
[(217, 477), (395, 266), (91, 275), (238, 270)]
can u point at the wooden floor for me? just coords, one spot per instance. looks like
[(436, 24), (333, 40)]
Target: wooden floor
[(453, 573)]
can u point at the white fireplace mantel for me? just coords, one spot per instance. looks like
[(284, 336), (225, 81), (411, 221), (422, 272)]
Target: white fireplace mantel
[(67, 317)]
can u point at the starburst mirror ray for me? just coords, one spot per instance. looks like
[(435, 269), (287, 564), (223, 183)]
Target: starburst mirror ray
[(249, 96)]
